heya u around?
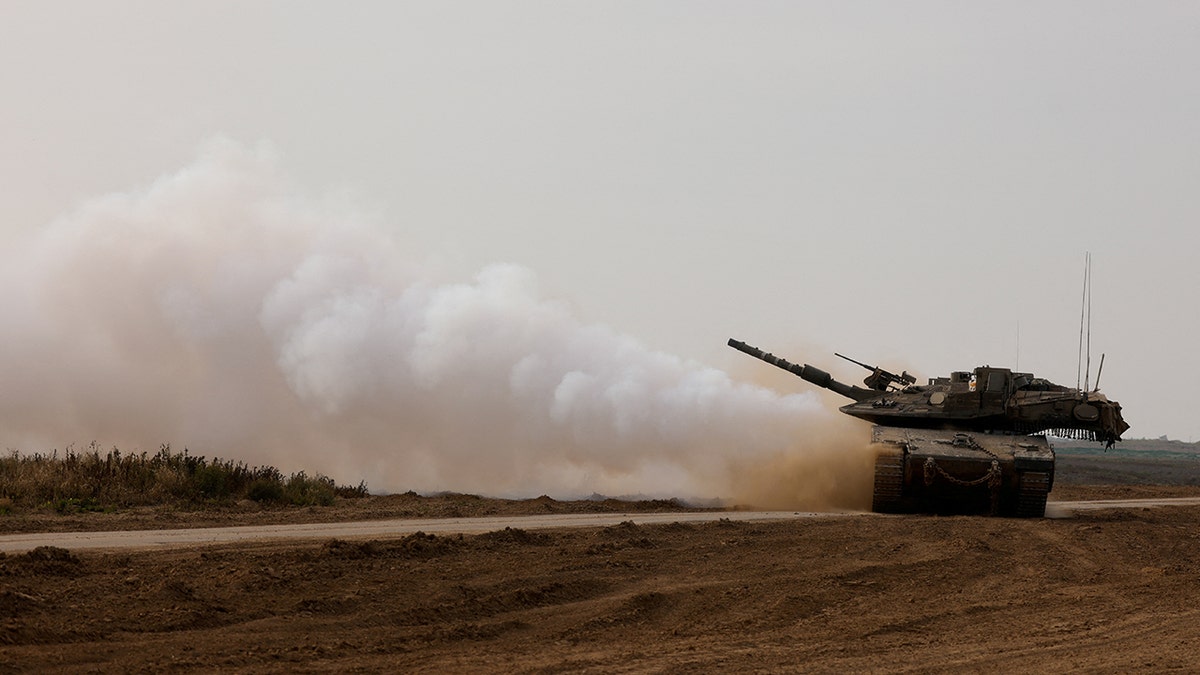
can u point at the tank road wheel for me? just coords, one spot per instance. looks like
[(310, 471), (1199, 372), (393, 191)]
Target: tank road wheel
[(889, 484), (1032, 487)]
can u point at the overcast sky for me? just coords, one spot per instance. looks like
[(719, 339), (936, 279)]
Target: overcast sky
[(911, 183)]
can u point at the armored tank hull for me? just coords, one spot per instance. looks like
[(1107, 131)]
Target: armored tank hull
[(972, 442), (931, 470)]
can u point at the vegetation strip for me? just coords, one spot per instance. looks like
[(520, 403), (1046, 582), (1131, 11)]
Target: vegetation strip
[(79, 482)]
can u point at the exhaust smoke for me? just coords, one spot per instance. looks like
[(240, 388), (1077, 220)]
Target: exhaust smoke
[(217, 310)]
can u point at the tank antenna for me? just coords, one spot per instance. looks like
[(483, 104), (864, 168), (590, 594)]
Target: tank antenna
[(1087, 367), (1085, 321), (1017, 366)]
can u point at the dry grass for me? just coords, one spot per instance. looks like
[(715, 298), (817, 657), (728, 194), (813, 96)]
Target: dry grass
[(90, 480)]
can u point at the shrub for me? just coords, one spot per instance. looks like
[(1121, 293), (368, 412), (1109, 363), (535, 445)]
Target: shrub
[(304, 491), (264, 490), (355, 492), (211, 482)]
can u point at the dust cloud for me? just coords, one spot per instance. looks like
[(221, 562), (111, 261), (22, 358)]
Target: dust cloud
[(219, 310)]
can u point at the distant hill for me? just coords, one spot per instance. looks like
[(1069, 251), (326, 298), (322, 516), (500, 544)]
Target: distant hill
[(1153, 461), (1156, 447)]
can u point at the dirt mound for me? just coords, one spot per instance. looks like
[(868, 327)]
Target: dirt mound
[(416, 545), (49, 560), (514, 536)]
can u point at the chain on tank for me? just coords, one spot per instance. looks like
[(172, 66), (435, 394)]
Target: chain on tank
[(993, 477)]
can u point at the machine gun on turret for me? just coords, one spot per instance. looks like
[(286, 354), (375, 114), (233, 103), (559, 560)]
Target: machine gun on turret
[(880, 379)]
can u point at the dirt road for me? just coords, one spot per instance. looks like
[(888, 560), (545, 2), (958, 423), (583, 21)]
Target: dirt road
[(201, 536), (1106, 590), (1069, 508), (185, 537)]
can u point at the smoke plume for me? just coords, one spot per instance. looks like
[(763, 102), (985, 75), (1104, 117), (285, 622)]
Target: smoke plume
[(218, 310)]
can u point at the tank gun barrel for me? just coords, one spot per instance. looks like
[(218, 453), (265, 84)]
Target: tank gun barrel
[(805, 372)]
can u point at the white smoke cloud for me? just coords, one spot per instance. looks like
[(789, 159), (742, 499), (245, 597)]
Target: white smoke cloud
[(218, 310)]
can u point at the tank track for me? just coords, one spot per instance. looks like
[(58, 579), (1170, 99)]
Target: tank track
[(1032, 487), (889, 484)]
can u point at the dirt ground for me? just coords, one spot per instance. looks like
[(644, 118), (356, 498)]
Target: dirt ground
[(1105, 591)]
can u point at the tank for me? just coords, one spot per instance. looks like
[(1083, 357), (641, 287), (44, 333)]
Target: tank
[(973, 442)]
